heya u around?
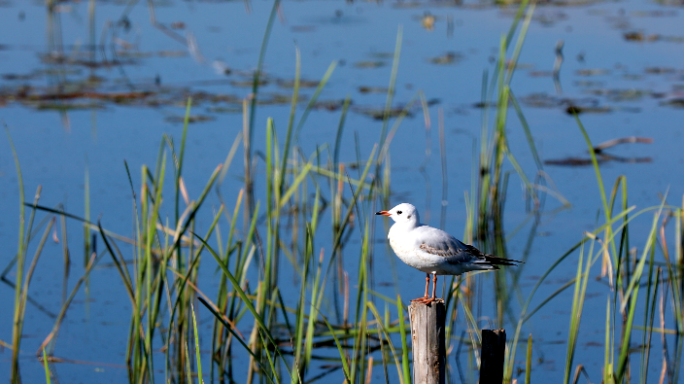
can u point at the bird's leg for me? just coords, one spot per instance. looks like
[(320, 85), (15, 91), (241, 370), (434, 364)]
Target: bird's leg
[(427, 300), (427, 285), (434, 284)]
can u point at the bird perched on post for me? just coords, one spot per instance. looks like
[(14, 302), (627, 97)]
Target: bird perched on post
[(432, 250)]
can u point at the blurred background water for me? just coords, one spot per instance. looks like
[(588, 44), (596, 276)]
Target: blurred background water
[(621, 68)]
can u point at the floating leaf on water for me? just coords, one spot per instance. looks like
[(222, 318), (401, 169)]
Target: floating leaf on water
[(481, 104), (330, 105), (659, 70), (302, 83), (60, 71), (676, 103), (408, 4), (112, 96), (369, 64), (248, 83), (58, 58), (592, 72), (588, 83), (379, 113), (191, 119), (582, 162), (620, 94), (654, 13), (639, 36), (381, 55), (277, 99), (549, 18), (672, 39), (447, 58), (59, 106), (574, 109), (222, 98), (368, 89), (602, 156), (569, 162), (236, 109), (571, 105), (540, 100), (134, 54), (16, 76)]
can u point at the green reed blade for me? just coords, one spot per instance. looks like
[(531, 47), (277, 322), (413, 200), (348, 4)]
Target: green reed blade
[(608, 374), (516, 21), (297, 181), (229, 159), (181, 156), (406, 370), (290, 124), (579, 295), (257, 72), (21, 257), (382, 331), (86, 214), (343, 358), (197, 346), (240, 292), (45, 366), (119, 265), (338, 135), (392, 85), (314, 98), (227, 325), (271, 363), (528, 361), (513, 62), (650, 243)]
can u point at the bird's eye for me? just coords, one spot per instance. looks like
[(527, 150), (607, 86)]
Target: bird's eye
[(398, 212)]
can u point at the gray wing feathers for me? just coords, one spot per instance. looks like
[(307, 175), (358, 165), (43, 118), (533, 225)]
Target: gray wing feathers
[(456, 252)]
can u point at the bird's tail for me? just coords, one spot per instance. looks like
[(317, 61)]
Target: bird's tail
[(494, 261)]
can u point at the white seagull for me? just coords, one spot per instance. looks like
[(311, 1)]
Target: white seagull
[(432, 250)]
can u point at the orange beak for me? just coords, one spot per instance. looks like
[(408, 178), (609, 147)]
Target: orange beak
[(384, 213)]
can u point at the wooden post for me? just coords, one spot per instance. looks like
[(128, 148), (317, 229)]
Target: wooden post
[(492, 357), (427, 337)]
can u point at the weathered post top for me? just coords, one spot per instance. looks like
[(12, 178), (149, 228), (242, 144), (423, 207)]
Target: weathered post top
[(428, 344)]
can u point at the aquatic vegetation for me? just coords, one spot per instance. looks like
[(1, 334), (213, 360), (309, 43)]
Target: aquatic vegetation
[(277, 281)]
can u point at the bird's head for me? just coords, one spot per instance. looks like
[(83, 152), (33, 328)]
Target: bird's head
[(403, 213)]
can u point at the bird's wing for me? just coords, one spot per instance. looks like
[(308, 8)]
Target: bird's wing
[(440, 243)]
